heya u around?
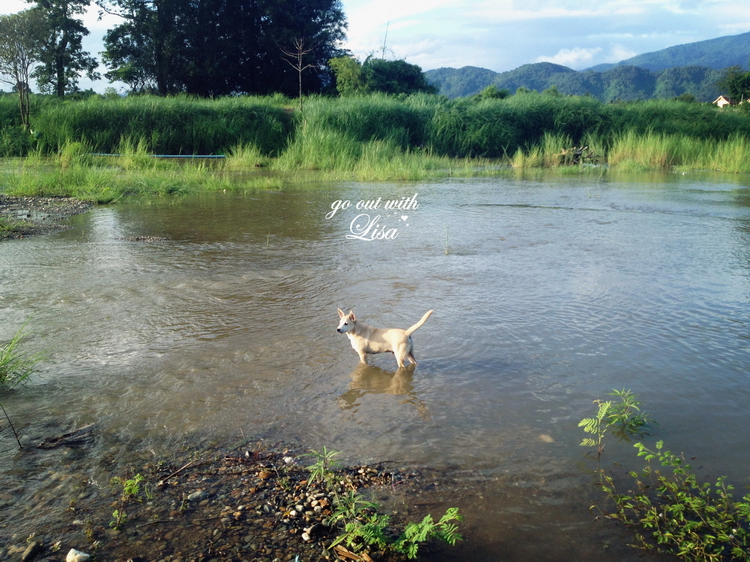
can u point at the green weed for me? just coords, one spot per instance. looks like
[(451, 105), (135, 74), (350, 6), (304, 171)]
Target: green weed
[(16, 366), (624, 418), (363, 528), (669, 510), (128, 489)]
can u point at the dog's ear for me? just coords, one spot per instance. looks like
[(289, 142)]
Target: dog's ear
[(351, 316), (341, 313)]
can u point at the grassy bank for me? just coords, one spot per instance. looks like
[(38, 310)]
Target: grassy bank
[(369, 138)]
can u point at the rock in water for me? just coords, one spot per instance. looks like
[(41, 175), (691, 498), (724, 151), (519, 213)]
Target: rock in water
[(31, 551), (76, 556)]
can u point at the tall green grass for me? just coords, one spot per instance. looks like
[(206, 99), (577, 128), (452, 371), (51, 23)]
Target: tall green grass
[(368, 137), (638, 152), (16, 366), (177, 125), (730, 155)]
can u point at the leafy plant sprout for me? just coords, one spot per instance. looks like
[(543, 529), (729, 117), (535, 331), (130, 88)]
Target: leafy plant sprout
[(129, 489), (322, 470), (624, 418)]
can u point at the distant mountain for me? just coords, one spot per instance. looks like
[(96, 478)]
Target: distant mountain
[(625, 83), (462, 82), (733, 50), (693, 69)]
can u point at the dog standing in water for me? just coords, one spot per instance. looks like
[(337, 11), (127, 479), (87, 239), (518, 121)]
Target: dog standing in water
[(367, 340)]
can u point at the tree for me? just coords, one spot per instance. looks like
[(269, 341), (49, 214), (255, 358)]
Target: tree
[(395, 77), (297, 55), (736, 84), (62, 56), (220, 47), (379, 75), (348, 73), (20, 43), (141, 51)]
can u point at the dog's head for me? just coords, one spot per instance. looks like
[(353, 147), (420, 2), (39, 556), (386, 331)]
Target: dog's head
[(346, 321)]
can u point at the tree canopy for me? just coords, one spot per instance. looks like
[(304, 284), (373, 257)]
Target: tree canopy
[(222, 47), (378, 75), (62, 56), (736, 84)]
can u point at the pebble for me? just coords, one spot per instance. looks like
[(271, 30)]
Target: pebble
[(197, 496)]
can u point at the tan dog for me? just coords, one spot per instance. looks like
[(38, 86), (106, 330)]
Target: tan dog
[(367, 340)]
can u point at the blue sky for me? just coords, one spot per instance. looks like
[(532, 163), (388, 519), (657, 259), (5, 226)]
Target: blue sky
[(504, 34)]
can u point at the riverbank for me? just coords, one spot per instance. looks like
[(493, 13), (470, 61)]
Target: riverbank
[(254, 503), (26, 216)]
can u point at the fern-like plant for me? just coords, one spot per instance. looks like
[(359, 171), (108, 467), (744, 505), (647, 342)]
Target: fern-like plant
[(624, 418), (417, 533)]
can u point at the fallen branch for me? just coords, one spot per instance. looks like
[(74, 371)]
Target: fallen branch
[(68, 439), (176, 472)]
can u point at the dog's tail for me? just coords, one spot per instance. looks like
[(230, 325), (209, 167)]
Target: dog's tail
[(409, 331)]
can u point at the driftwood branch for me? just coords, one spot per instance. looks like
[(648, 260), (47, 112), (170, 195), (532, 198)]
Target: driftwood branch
[(69, 439), (577, 155)]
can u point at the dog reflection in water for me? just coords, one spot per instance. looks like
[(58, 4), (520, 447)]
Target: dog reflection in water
[(374, 380)]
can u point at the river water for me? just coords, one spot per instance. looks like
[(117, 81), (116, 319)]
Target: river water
[(548, 292)]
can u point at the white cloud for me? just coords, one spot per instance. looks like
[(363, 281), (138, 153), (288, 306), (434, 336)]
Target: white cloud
[(618, 52), (573, 58)]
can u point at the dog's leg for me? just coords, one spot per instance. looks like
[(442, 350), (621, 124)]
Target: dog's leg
[(401, 353), (410, 352)]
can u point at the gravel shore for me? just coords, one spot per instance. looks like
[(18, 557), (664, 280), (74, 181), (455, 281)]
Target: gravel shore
[(246, 504), (26, 216)]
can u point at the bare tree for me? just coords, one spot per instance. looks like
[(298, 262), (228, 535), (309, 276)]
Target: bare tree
[(300, 50), (20, 43)]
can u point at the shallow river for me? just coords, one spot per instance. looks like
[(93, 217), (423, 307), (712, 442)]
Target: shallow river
[(548, 293)]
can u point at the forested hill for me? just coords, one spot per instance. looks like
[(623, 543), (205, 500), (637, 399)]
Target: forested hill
[(733, 50), (625, 83), (685, 69)]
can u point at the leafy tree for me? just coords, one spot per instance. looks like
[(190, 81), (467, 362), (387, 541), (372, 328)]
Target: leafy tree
[(218, 47), (142, 51), (686, 98), (62, 56), (395, 77), (20, 44), (378, 75), (348, 73), (735, 83)]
